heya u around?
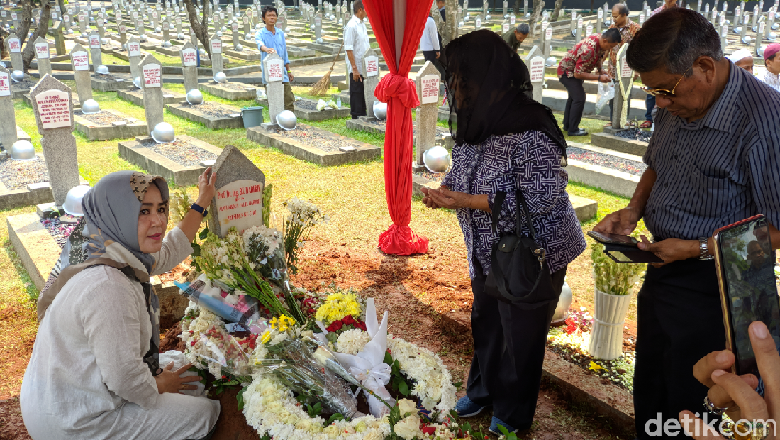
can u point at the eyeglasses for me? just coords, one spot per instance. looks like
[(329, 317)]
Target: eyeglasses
[(665, 92)]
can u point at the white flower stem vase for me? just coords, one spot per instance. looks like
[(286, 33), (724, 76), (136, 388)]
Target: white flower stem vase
[(606, 340)]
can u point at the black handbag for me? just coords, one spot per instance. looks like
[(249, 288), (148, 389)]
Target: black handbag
[(519, 273)]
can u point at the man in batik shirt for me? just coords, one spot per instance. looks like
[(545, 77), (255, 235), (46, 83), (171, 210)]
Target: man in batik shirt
[(575, 68), (628, 29)]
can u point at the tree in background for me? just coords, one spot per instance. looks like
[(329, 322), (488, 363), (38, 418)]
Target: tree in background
[(24, 29), (199, 26), (557, 11)]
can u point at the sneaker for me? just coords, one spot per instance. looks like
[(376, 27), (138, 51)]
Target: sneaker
[(495, 423), (466, 408)]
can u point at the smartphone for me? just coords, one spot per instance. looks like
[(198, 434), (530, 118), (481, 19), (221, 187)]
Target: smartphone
[(605, 238), (745, 264)]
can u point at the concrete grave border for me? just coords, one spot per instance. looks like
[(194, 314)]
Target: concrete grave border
[(362, 152), (320, 115), (99, 132), (144, 157), (136, 96), (184, 110), (219, 90)]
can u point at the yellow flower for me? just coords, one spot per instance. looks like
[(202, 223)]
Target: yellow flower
[(266, 336), (595, 366), (337, 306), (282, 323)]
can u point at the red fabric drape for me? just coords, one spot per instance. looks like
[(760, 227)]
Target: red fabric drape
[(400, 94)]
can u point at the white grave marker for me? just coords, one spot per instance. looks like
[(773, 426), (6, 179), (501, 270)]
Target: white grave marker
[(5, 84), (275, 70), (537, 69), (42, 50), (430, 89), (239, 204), (189, 57), (54, 108), (152, 75), (372, 66), (81, 61)]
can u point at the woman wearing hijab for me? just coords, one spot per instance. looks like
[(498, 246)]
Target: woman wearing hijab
[(504, 141), (94, 371)]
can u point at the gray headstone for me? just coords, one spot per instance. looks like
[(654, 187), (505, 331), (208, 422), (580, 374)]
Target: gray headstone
[(623, 86), (370, 81), (234, 28), (272, 69), (54, 115), (94, 50), (83, 23), (188, 55), (134, 55), (43, 55), (151, 81), (532, 62), (428, 79), (7, 115), (14, 45), (59, 37), (79, 57), (216, 55), (122, 28), (240, 185)]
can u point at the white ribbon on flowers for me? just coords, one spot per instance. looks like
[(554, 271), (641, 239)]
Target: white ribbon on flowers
[(368, 366)]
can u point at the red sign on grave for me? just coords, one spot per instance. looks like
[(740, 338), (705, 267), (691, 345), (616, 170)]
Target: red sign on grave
[(152, 75)]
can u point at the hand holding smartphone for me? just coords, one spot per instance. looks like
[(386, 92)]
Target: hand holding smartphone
[(623, 248)]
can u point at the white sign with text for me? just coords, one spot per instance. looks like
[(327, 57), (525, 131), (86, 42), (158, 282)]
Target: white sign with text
[(189, 57), (239, 205), (152, 75), (42, 50), (430, 89), (80, 60), (54, 108)]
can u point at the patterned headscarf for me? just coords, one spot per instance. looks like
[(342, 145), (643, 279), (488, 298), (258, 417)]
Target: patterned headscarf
[(108, 235)]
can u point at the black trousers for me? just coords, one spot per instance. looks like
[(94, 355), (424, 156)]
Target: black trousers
[(509, 343), (430, 55), (357, 101), (679, 321), (572, 115)]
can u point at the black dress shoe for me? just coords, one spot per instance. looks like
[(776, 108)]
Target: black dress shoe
[(579, 132)]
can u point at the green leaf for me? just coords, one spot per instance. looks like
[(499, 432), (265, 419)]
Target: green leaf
[(388, 359), (458, 385), (240, 398), (333, 418), (203, 234), (403, 388)]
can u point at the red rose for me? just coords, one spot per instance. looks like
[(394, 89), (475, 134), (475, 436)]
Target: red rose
[(334, 326), (348, 320)]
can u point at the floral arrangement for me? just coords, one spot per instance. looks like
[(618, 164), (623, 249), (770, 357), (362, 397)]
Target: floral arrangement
[(613, 278), (303, 217)]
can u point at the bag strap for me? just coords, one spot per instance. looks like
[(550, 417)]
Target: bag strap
[(498, 204)]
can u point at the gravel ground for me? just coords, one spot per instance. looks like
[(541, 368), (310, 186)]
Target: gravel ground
[(16, 174), (109, 77), (316, 139), (60, 228), (235, 86), (635, 134), (181, 152), (212, 109), (24, 84), (102, 118), (629, 166)]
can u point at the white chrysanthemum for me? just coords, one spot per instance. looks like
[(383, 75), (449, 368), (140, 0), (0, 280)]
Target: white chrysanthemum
[(408, 427), (352, 341)]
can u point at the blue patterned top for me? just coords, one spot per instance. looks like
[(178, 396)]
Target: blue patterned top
[(501, 163)]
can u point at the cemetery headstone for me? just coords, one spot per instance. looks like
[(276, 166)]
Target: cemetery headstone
[(122, 34), (428, 90), (42, 53), (189, 69), (274, 74), (371, 80), (624, 84), (53, 106), (599, 20), (239, 199), (83, 23), (80, 60), (134, 55), (94, 49), (216, 55), (8, 127), (531, 63), (151, 81), (15, 48)]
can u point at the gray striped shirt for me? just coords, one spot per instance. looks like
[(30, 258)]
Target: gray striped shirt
[(719, 169)]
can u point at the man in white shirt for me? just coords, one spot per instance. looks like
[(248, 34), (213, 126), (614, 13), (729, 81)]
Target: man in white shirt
[(356, 45), (772, 63), (429, 44)]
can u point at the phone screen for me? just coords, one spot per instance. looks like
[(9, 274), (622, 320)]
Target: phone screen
[(746, 261), (613, 238)]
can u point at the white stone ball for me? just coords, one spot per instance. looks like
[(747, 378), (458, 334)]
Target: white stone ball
[(437, 159), (550, 61), (239, 48), (23, 150), (102, 69), (287, 120), (220, 78), (72, 205), (380, 110), (163, 133), (90, 106), (194, 97), (17, 75)]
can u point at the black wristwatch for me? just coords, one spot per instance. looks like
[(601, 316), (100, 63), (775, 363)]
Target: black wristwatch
[(203, 211)]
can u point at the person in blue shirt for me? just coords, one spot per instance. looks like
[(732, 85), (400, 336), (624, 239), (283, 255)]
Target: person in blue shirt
[(270, 39)]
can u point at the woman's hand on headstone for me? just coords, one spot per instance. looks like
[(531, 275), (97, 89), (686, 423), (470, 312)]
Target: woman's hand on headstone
[(206, 188), (170, 381)]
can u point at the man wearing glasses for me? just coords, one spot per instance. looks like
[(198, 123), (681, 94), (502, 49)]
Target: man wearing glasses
[(714, 159)]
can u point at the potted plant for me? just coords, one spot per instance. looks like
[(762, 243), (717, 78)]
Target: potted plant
[(614, 284)]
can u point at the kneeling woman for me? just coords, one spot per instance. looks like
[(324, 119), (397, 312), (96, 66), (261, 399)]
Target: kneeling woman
[(505, 142), (94, 371)]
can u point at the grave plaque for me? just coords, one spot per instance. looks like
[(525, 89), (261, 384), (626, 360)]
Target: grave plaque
[(372, 66), (216, 56), (80, 60), (53, 106), (239, 204), (371, 62), (8, 127), (152, 75), (94, 48)]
